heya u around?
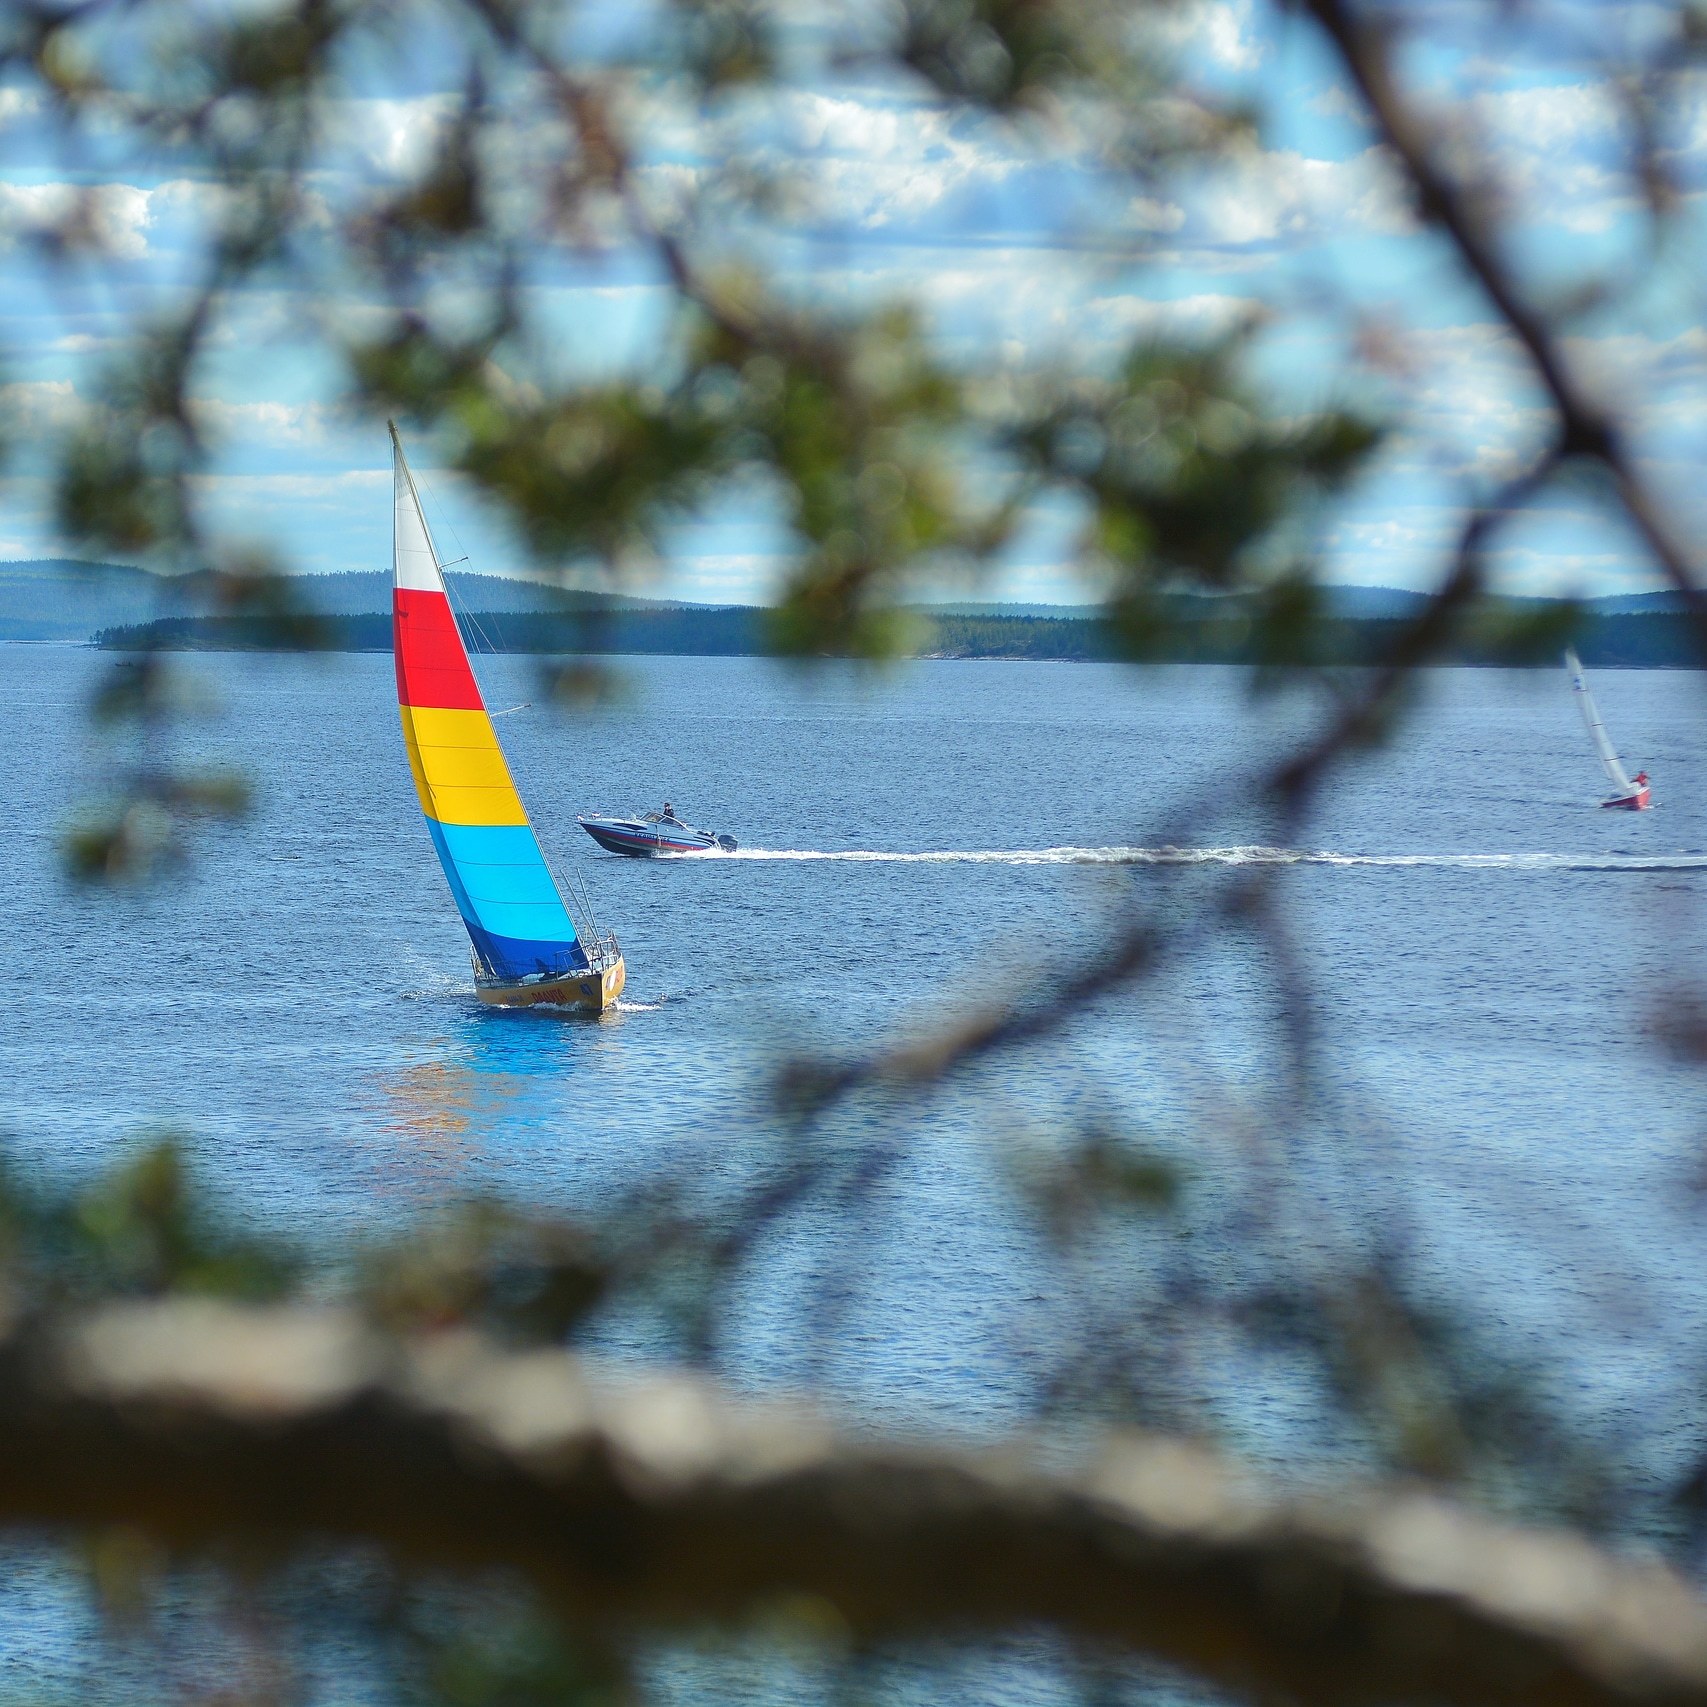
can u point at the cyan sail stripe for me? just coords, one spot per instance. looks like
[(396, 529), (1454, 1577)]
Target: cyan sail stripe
[(506, 897), (497, 862)]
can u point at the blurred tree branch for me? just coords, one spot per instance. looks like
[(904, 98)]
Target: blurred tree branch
[(885, 458), (634, 1501), (1585, 425)]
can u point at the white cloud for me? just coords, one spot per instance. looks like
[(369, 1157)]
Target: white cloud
[(1641, 367), (739, 577), (879, 166), (1221, 32), (115, 216), (275, 424), (1559, 153), (1206, 314), (16, 103), (395, 137), (1338, 102), (1227, 37), (1020, 304), (38, 407), (335, 492), (1547, 117), (1471, 405), (1267, 197)]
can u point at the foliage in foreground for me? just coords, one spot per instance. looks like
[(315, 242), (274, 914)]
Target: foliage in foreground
[(883, 455)]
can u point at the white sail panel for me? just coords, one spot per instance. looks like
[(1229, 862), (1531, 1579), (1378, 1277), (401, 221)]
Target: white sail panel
[(414, 565), (1597, 730)]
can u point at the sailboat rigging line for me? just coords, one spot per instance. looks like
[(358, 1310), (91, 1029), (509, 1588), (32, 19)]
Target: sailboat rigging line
[(584, 892), (582, 897), (577, 885), (464, 615), (579, 900), (470, 622), (578, 873)]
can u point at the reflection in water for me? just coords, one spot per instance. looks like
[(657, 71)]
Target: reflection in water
[(435, 1116), (447, 1119)]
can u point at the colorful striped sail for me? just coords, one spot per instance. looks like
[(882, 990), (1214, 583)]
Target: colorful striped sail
[(502, 886)]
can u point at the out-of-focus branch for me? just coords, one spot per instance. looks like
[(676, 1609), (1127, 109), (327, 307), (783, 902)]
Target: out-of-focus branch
[(1422, 639), (808, 1085), (1586, 426), (655, 1500)]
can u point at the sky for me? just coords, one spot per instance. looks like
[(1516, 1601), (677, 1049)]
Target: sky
[(999, 235)]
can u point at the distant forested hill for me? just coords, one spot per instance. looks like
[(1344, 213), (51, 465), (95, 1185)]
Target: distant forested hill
[(59, 598), (732, 632), (1654, 640), (119, 606)]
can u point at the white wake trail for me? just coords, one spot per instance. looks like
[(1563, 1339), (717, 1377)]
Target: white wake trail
[(1246, 855)]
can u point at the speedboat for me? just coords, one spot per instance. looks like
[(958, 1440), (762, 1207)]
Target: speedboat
[(655, 833)]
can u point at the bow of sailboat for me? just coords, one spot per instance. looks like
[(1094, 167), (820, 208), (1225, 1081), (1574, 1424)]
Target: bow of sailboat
[(526, 946)]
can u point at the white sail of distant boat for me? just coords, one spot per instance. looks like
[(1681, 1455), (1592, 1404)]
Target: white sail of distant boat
[(1628, 791)]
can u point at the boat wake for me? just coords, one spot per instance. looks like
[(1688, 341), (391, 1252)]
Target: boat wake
[(1249, 855)]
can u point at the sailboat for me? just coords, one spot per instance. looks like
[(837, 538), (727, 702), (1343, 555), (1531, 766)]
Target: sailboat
[(1629, 792), (526, 948)]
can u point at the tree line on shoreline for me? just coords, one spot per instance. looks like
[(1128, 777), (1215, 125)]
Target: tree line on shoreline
[(1502, 634)]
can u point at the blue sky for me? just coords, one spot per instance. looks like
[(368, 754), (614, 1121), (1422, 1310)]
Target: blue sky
[(1001, 237)]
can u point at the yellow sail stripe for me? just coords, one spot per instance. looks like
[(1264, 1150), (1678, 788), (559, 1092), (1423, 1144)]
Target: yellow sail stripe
[(459, 768)]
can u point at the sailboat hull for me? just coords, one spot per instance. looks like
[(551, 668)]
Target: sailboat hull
[(590, 992), (1637, 802)]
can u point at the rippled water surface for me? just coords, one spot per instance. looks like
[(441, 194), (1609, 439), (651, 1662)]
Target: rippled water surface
[(1485, 947)]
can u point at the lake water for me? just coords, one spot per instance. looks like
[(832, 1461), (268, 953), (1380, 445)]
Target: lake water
[(1483, 949)]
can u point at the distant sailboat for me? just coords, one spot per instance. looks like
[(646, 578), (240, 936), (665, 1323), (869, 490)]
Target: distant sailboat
[(1629, 792), (526, 949)]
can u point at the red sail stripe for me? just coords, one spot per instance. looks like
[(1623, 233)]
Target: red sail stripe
[(432, 667)]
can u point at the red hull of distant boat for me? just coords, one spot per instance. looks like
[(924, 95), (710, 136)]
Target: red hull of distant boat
[(1637, 802)]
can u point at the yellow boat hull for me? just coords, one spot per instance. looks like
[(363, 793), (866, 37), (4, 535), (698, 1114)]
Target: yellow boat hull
[(589, 992)]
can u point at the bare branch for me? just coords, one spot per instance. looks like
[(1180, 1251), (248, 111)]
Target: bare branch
[(809, 1085), (1586, 426)]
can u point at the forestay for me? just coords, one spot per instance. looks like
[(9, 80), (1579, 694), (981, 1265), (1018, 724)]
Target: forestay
[(498, 876)]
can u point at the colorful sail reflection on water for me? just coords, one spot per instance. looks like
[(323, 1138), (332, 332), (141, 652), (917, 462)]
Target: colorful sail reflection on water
[(498, 876)]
